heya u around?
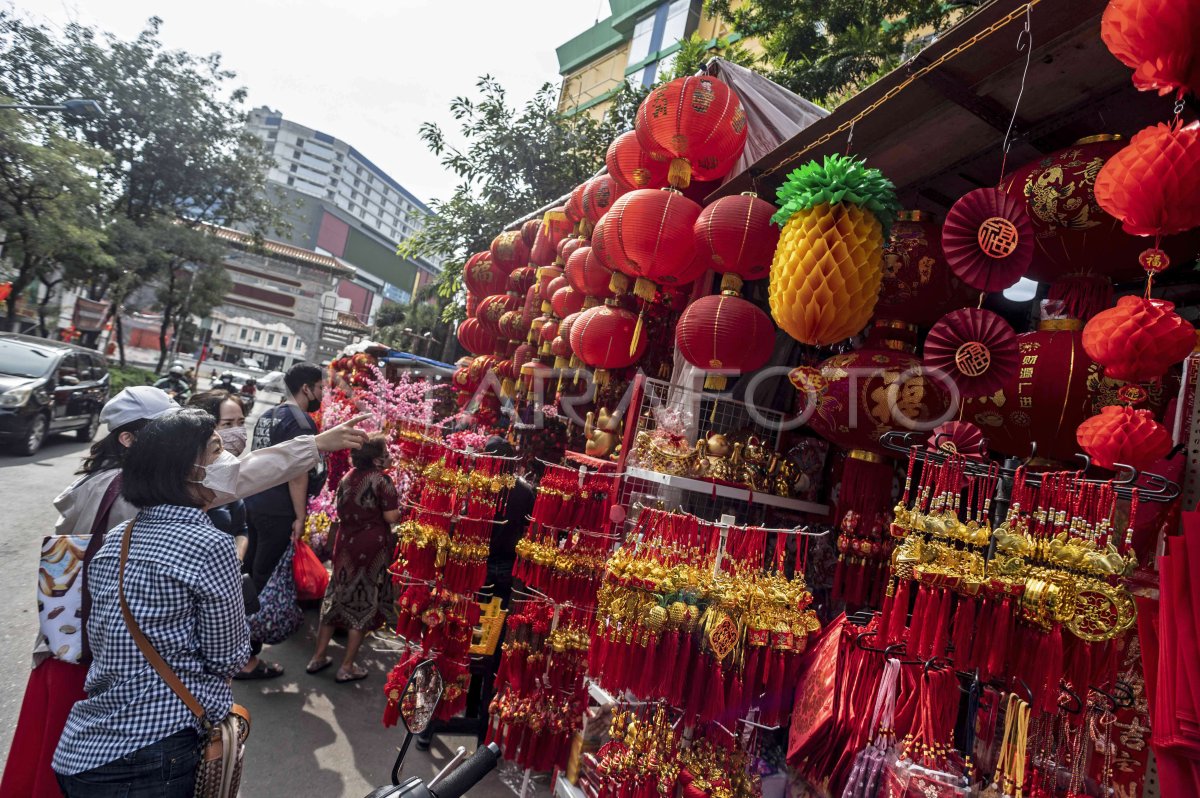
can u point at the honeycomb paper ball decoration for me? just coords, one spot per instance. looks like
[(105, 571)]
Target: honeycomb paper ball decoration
[(1123, 435), (828, 266), (1151, 184), (1157, 39), (1139, 339)]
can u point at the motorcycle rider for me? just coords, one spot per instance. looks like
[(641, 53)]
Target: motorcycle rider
[(248, 392), (175, 384), (225, 383)]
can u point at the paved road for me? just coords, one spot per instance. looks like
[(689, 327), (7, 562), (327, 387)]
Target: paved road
[(311, 736)]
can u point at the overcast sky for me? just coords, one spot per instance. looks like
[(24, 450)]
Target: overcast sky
[(366, 71)]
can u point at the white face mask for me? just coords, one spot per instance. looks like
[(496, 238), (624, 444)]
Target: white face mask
[(221, 476), (233, 439)]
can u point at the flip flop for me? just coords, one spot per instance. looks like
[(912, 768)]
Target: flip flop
[(263, 670), (316, 666), (353, 676)]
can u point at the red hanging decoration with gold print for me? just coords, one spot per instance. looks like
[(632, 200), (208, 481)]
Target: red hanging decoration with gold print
[(482, 277), (696, 124), (509, 251), (648, 236), (975, 348), (734, 235), (918, 284), (631, 166), (988, 239)]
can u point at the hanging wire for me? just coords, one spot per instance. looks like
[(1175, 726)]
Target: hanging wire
[(1025, 45)]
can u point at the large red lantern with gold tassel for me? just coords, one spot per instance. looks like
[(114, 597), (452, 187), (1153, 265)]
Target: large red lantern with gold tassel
[(1139, 339), (482, 277), (566, 301), (599, 194), (1045, 400), (491, 308), (554, 228), (734, 235), (918, 284), (474, 338), (509, 251), (695, 123), (648, 236), (724, 334), (604, 338), (631, 166)]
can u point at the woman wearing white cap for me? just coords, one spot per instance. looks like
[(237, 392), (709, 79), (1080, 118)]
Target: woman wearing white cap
[(93, 504)]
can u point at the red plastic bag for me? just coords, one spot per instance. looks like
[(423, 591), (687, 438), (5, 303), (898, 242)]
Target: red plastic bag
[(311, 576)]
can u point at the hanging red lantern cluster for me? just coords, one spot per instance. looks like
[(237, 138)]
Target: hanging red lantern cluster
[(648, 236), (482, 277), (734, 235), (474, 338), (509, 251), (1123, 435), (724, 334), (631, 166), (1139, 339), (918, 285), (605, 338), (696, 124)]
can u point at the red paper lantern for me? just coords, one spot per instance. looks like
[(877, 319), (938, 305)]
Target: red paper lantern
[(548, 331), (553, 287), (918, 285), (599, 245), (554, 228), (988, 239), (602, 338), (599, 194), (695, 123), (529, 230), (545, 275), (1125, 436), (860, 395), (568, 248), (574, 207), (566, 301), (1151, 184), (631, 166), (472, 304), (520, 279), (560, 347), (648, 236), (509, 251), (474, 338), (724, 333), (522, 355), (533, 304), (565, 326), (734, 235), (976, 348), (587, 275), (481, 276), (491, 308), (511, 326), (1139, 339), (1157, 40)]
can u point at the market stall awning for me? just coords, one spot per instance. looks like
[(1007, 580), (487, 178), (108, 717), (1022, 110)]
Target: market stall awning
[(935, 125)]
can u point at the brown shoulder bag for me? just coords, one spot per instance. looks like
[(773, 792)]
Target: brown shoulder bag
[(219, 773)]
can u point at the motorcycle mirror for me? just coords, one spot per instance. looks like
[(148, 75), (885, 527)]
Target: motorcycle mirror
[(421, 696)]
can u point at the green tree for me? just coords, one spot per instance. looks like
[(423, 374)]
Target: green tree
[(513, 160), (174, 133), (48, 207), (696, 51), (192, 277), (825, 50)]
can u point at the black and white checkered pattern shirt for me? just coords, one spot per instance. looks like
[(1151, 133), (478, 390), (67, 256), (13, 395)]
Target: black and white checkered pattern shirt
[(184, 589)]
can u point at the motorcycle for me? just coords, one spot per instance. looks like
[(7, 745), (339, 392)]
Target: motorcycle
[(418, 703)]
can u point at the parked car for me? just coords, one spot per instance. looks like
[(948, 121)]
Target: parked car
[(48, 387)]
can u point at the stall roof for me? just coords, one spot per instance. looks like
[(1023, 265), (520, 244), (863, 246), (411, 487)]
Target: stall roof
[(935, 126)]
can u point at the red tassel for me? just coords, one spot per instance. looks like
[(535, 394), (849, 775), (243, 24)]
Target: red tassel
[(998, 647), (700, 679), (734, 699), (1050, 670), (751, 683), (964, 630), (899, 612), (985, 619), (714, 706), (665, 665), (941, 632), (917, 626), (839, 578)]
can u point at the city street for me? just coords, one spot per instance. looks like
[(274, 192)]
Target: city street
[(310, 735)]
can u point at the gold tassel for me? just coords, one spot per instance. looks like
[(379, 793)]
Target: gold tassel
[(590, 302), (637, 333), (600, 377), (716, 382), (679, 174), (618, 283), (644, 289), (731, 284), (507, 387)]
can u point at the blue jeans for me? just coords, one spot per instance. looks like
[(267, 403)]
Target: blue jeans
[(165, 769)]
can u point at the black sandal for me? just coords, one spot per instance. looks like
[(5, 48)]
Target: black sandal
[(263, 670)]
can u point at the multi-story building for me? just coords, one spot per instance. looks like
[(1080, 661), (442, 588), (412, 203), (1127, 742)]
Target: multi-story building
[(637, 44), (340, 204)]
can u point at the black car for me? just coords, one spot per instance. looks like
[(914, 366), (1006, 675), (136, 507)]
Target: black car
[(47, 387)]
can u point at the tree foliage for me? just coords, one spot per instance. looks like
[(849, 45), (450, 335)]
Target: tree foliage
[(825, 50), (695, 51), (512, 160)]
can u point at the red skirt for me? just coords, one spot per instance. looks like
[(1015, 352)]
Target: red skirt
[(53, 688)]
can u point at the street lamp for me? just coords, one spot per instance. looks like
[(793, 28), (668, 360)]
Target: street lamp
[(75, 107)]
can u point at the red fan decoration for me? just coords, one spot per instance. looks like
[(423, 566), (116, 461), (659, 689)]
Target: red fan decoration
[(554, 228), (566, 301), (631, 166), (574, 207), (1123, 435), (491, 308), (696, 123), (603, 338), (918, 285), (724, 334), (648, 235), (734, 235), (586, 274), (509, 251), (988, 239), (975, 348), (1151, 184), (599, 194), (958, 437), (1139, 339), (481, 276), (475, 339), (1157, 40)]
